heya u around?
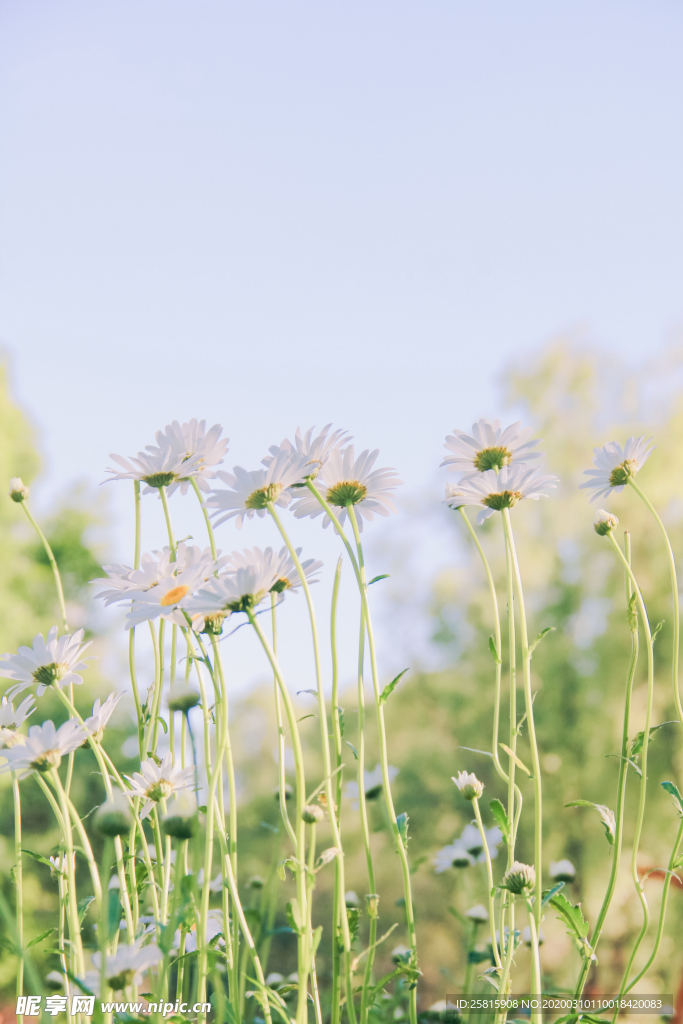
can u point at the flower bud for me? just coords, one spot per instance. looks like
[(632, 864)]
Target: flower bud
[(255, 882), (562, 871), (289, 792), (312, 814), (401, 954), (18, 491), (469, 785), (372, 904), (180, 821), (604, 522), (114, 816), (182, 697), (351, 899), (520, 879), (478, 914)]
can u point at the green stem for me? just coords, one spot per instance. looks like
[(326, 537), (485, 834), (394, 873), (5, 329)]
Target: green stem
[(674, 593), (78, 960), (489, 875), (103, 937), (282, 782), (537, 1014), (19, 886), (338, 905), (529, 701), (621, 789), (209, 528), (169, 527), (643, 782), (53, 562)]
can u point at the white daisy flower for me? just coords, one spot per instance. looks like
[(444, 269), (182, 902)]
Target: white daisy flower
[(372, 782), (562, 871), (170, 596), (216, 885), (493, 491), (55, 660), (479, 914), (469, 785), (18, 491), (615, 465), (156, 467), (526, 936), (250, 491), (286, 575), (470, 840), (347, 481), (214, 927), (128, 965), (201, 449), (490, 447), (452, 856), (101, 714), (240, 590), (122, 581), (159, 782), (312, 451), (44, 747), (60, 864), (11, 719)]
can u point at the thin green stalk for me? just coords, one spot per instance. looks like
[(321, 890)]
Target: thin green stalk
[(384, 761), (529, 701), (489, 876), (209, 528), (338, 905), (304, 938), (53, 562), (282, 783), (469, 968), (9, 925), (365, 825), (169, 527), (621, 782), (537, 1014), (78, 960), (674, 594), (103, 936), (19, 887), (643, 761)]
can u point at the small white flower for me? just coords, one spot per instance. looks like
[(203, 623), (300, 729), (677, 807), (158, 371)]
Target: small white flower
[(214, 927), (11, 719), (171, 597), (159, 782), (312, 451), (479, 914), (489, 446), (250, 492), (469, 785), (470, 840), (101, 715), (452, 856), (562, 871), (44, 747), (346, 481), (200, 449), (114, 817), (493, 491), (615, 465), (216, 885), (240, 590), (604, 522), (128, 965), (48, 662), (60, 864), (123, 582), (372, 783), (18, 491), (286, 575), (156, 467)]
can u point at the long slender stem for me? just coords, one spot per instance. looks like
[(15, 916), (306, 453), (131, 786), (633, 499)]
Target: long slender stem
[(53, 562), (643, 761), (19, 887), (621, 785), (338, 904), (489, 876), (209, 528), (169, 527), (537, 1014), (529, 701)]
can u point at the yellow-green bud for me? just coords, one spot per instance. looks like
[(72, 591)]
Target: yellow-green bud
[(18, 491), (520, 879), (469, 785), (604, 522), (312, 814), (114, 816)]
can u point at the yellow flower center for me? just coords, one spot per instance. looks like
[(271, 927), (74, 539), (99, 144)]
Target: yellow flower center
[(173, 595)]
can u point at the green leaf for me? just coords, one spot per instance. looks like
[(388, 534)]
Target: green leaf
[(605, 813), (114, 910), (390, 687), (39, 938), (402, 822), (544, 632), (473, 750), (637, 744), (355, 752), (494, 651), (672, 788), (83, 907), (511, 753), (163, 722), (500, 818), (340, 712), (632, 612), (39, 858), (154, 757), (294, 915), (656, 630), (304, 717), (314, 692), (376, 579), (549, 893), (577, 925)]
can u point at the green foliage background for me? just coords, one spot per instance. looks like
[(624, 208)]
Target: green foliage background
[(575, 400)]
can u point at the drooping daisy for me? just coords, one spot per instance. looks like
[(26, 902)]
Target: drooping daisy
[(346, 481), (200, 448), (493, 491), (312, 451), (48, 662), (44, 747), (159, 782), (101, 714), (616, 465), (156, 467), (170, 596), (489, 446), (11, 719), (286, 575), (240, 590), (250, 492), (127, 965)]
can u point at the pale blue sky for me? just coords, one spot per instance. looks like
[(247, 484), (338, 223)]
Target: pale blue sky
[(276, 212)]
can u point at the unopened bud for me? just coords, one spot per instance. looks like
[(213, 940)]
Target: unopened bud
[(520, 879), (114, 816), (372, 904), (18, 491), (181, 821), (182, 697), (469, 785), (312, 814), (604, 522)]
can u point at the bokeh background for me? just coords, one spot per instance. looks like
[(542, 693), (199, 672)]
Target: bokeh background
[(398, 217)]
